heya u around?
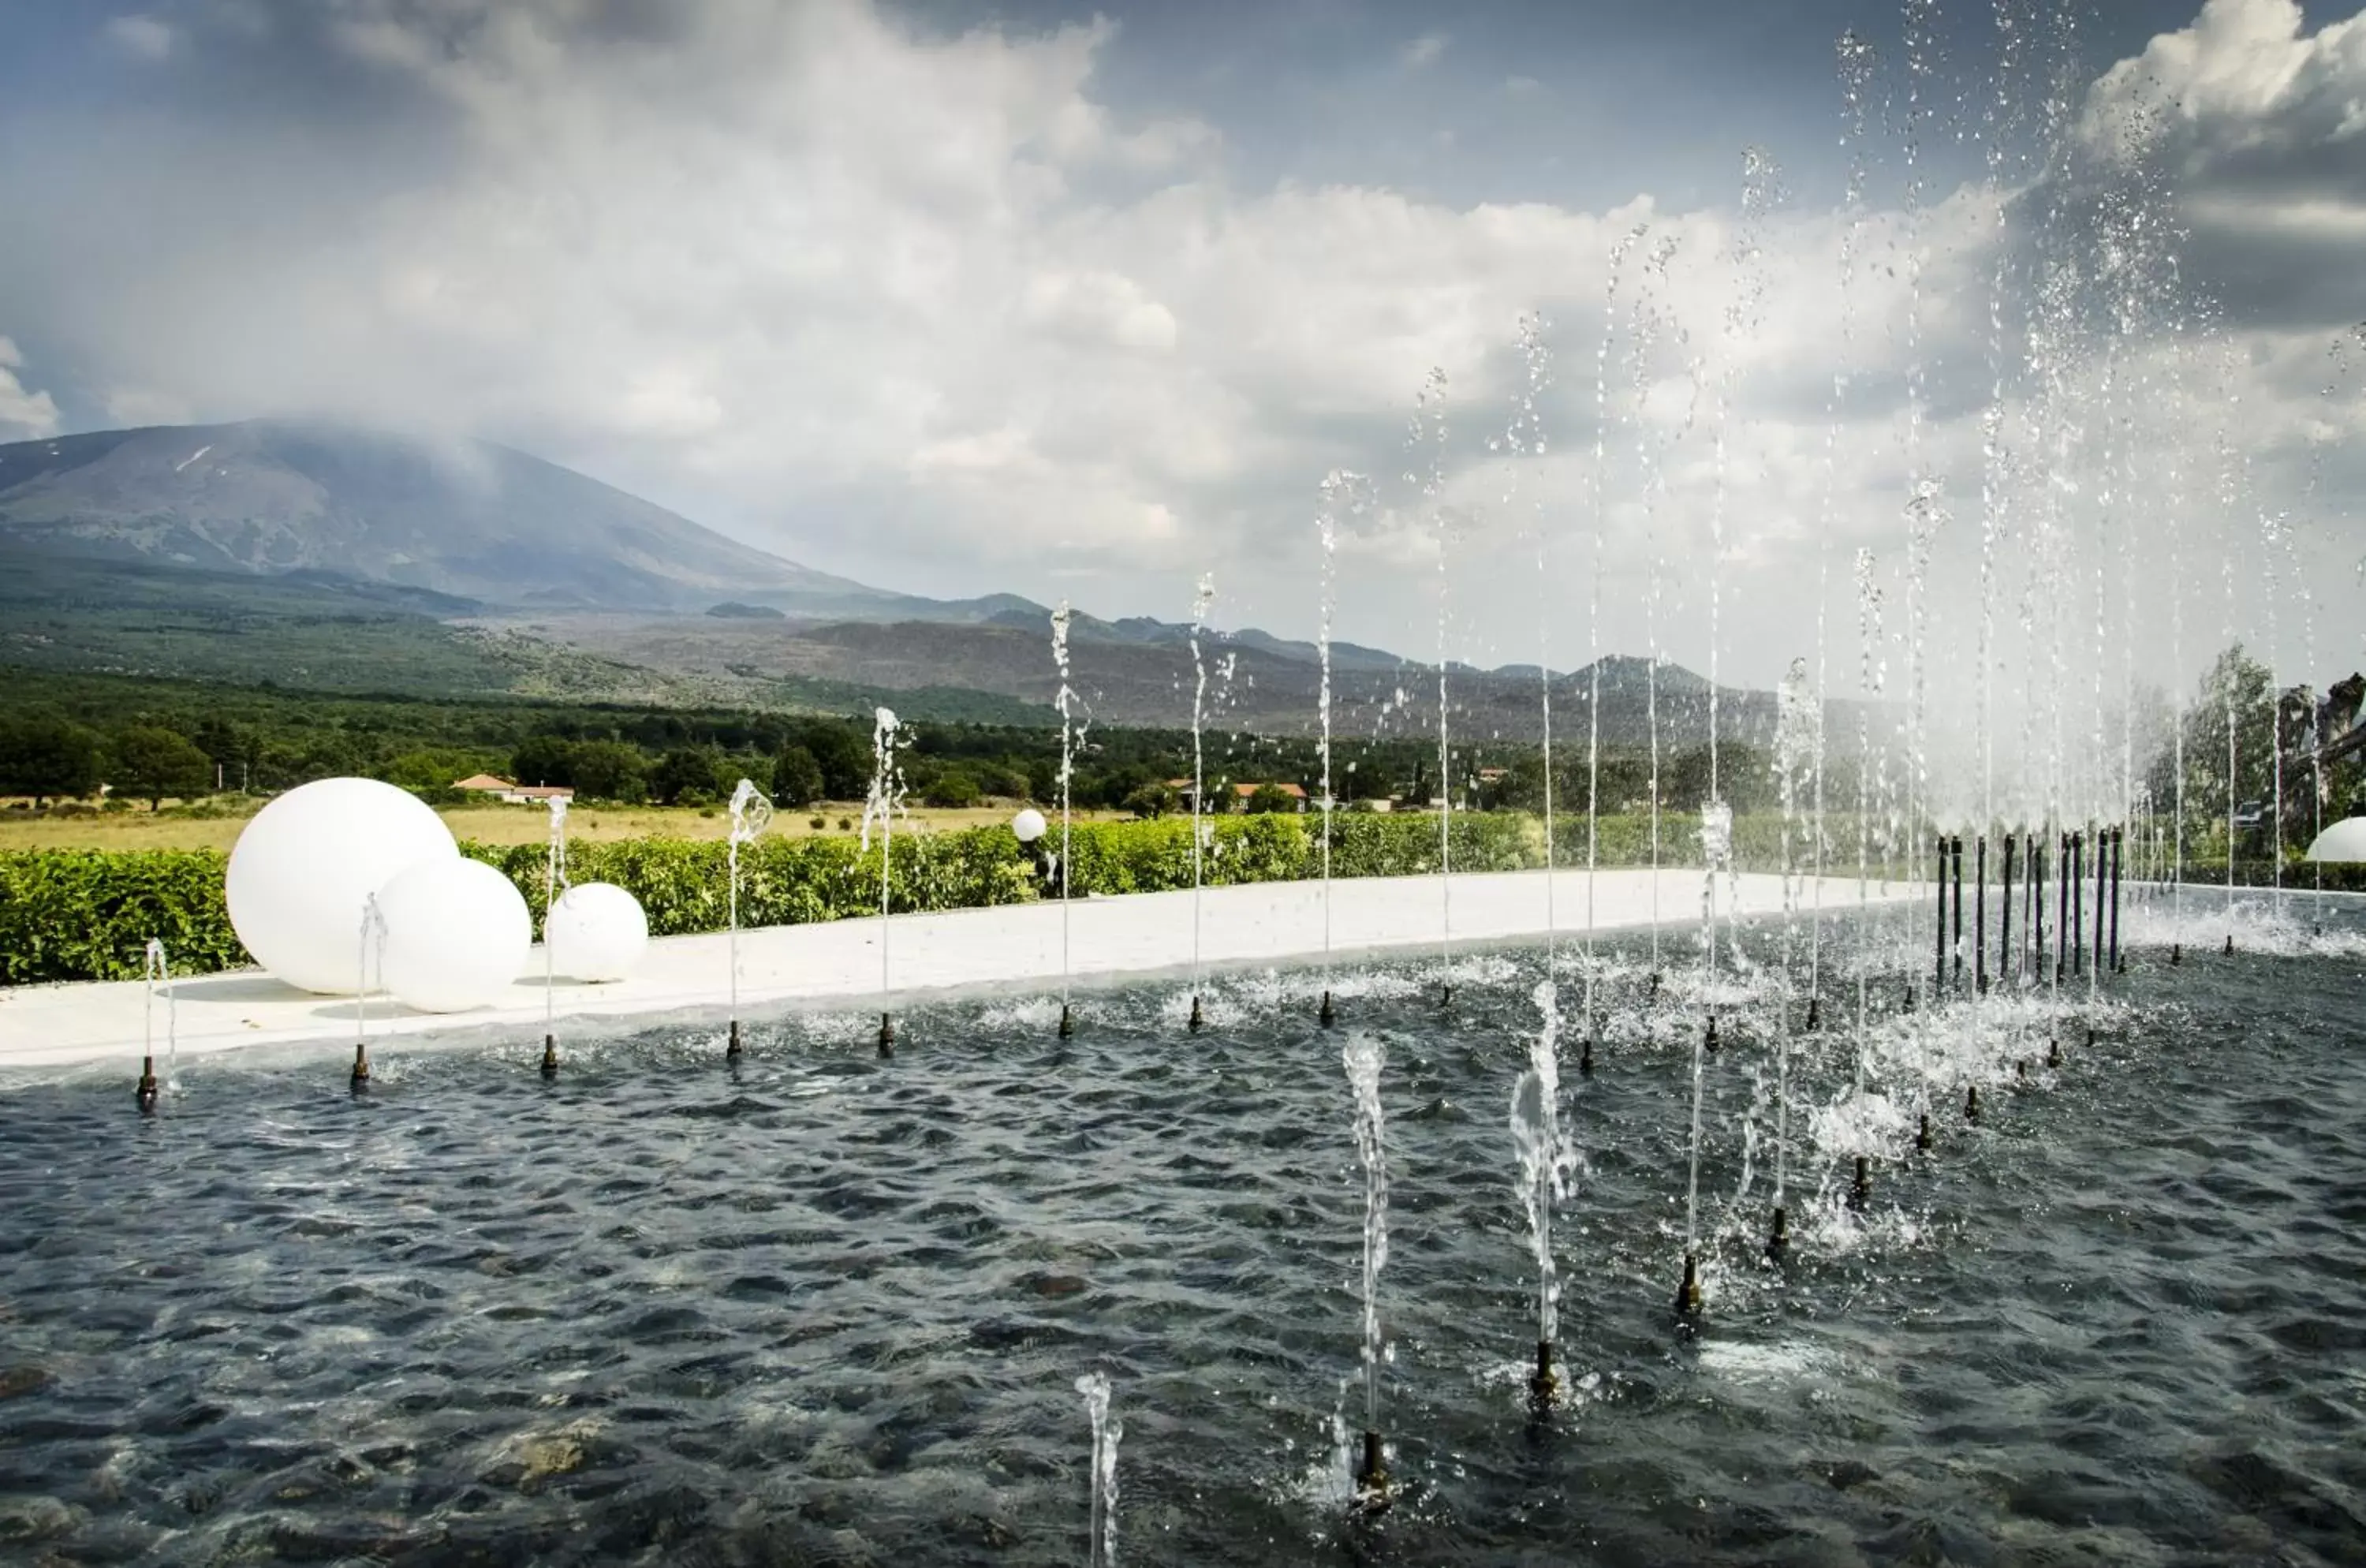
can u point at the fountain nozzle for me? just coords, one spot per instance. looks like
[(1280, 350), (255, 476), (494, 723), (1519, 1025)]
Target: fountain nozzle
[(1585, 1056), (550, 1056), (1972, 1105), (146, 1093), (1326, 1015), (1372, 1475), (1923, 1138), (1688, 1295), (1445, 994), (1195, 1020), (1815, 1012), (2230, 944), (2054, 1049), (1861, 1189), (2176, 952), (1708, 1043), (1067, 1022), (361, 1066), (1778, 1241), (734, 1050), (1907, 1005), (887, 1035), (1544, 1385)]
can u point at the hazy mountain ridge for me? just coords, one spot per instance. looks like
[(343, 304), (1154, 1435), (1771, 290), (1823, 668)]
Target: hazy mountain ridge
[(478, 566)]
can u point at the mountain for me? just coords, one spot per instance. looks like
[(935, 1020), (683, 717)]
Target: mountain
[(470, 518), (348, 560)]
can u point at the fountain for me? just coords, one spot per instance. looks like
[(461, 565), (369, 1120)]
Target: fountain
[(1202, 599), (1545, 1161), (1068, 740), (880, 805), (368, 975), (554, 882), (751, 813), (1364, 1059), (1101, 1548), (1427, 433), (155, 975)]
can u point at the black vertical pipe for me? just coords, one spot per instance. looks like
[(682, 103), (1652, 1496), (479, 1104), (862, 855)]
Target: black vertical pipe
[(2064, 872), (2006, 968), (2119, 847), (2074, 887), (1955, 848), (2037, 846), (2102, 892), (1939, 964), (1981, 917)]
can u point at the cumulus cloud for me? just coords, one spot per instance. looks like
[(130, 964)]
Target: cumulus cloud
[(1423, 51), (23, 415), (931, 307), (142, 37)]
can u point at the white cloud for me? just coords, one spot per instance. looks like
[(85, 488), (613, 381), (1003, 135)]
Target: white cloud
[(1423, 51), (23, 415), (931, 310), (141, 37)]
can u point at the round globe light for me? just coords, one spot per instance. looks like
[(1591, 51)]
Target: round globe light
[(306, 865), (457, 934), (596, 932), (1028, 825)]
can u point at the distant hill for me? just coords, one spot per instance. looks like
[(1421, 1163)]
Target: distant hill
[(470, 518), (355, 559)]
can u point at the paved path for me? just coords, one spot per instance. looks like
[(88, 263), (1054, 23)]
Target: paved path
[(1004, 950)]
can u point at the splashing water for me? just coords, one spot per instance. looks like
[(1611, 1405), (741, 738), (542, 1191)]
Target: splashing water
[(1069, 738), (1202, 599), (156, 971), (751, 813), (880, 805), (554, 882), (1364, 1057), (1101, 1549), (1546, 1159)]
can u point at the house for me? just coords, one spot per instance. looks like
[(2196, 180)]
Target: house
[(512, 794), (1241, 793)]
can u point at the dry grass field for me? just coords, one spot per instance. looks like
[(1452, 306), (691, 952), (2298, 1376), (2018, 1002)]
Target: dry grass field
[(173, 828)]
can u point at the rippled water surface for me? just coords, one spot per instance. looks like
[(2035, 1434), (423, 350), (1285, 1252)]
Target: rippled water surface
[(823, 1308)]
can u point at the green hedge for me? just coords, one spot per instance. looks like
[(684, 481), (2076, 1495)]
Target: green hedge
[(85, 914)]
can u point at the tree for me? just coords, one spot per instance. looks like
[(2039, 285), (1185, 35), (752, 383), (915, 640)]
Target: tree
[(610, 770), (796, 777), (952, 789), (47, 758), (843, 755), (689, 775), (149, 763), (1152, 800), (1267, 798), (544, 759)]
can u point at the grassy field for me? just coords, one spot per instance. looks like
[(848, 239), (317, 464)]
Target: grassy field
[(174, 828)]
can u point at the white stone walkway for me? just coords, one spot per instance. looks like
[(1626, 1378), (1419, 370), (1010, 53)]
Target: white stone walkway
[(838, 963)]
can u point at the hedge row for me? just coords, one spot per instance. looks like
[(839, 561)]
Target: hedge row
[(86, 914)]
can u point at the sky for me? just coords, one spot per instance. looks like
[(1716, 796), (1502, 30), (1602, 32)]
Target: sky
[(1085, 301)]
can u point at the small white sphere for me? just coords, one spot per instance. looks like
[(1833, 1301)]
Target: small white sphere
[(1029, 825), (306, 865), (596, 932), (457, 934)]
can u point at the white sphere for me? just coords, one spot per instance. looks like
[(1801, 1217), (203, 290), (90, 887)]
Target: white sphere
[(1028, 825), (596, 932), (306, 865), (457, 934)]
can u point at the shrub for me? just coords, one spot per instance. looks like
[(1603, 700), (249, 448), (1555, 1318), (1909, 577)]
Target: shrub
[(87, 914)]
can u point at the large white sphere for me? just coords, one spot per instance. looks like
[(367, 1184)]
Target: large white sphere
[(306, 866), (457, 934), (1028, 825), (596, 932)]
